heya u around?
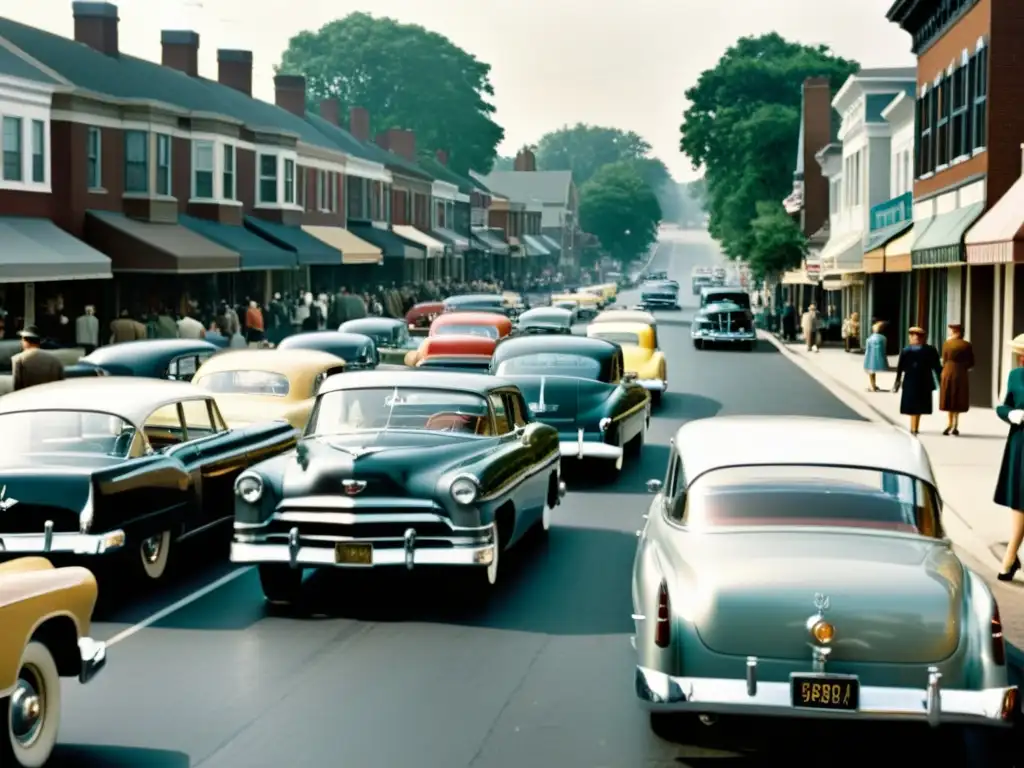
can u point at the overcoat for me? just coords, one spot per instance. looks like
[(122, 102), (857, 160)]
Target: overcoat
[(1010, 485), (917, 370), (954, 384)]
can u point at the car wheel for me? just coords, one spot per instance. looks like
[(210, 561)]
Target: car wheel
[(154, 554), (988, 746), (281, 584), (698, 344), (32, 711), (656, 397)]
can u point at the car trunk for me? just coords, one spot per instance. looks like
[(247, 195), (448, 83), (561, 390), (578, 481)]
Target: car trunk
[(561, 401), (33, 496)]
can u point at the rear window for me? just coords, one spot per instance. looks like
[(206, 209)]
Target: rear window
[(630, 339), (551, 364), (486, 331), (455, 365), (245, 383), (842, 497)]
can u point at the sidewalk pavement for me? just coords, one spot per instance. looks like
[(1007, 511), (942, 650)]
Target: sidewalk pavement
[(966, 467)]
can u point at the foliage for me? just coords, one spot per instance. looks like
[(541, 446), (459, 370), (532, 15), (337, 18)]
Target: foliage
[(584, 149), (777, 242), (743, 124), (621, 210), (406, 77), (502, 163)]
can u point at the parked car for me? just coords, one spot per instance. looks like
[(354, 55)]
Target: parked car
[(797, 567), (587, 304), (724, 323), (69, 356), (640, 352), (422, 315), (457, 353), (400, 469), (102, 465), (358, 351), (580, 387), (481, 302), (174, 359), (391, 337), (46, 614), (487, 325), (545, 320), (253, 385)]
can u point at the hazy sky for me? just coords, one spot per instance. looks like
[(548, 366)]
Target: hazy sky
[(623, 63)]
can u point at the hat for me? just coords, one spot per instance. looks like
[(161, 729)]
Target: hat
[(956, 326), (916, 331), (30, 332), (1018, 342)]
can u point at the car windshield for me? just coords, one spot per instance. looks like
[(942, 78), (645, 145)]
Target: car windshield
[(437, 410), (486, 331), (551, 364), (619, 337), (245, 383), (735, 297), (34, 434), (845, 497)]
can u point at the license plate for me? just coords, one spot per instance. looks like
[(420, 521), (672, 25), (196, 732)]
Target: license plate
[(353, 554), (830, 692)]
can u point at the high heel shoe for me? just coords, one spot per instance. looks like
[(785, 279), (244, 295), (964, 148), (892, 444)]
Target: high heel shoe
[(947, 430), (1008, 576)]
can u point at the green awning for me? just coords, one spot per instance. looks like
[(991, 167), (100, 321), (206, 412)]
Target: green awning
[(390, 244), (37, 250), (939, 241), (535, 246), (309, 250), (494, 242), (255, 252), (885, 235), (553, 245)]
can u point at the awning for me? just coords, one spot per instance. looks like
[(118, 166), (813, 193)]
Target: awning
[(874, 261), (255, 252), (494, 242), (390, 244), (843, 253), (941, 239), (797, 277), (515, 248), (353, 249), (454, 239), (143, 246), (535, 246), (881, 237), (553, 245), (434, 248), (998, 237), (37, 250), (897, 253), (308, 249), (832, 284)]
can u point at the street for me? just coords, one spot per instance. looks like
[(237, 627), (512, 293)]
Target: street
[(391, 673)]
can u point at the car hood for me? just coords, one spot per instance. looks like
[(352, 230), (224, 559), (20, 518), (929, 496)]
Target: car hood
[(70, 589)]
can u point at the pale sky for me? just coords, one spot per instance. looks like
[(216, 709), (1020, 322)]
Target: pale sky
[(621, 63)]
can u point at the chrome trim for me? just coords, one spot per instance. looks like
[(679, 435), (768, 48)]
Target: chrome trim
[(989, 706), (751, 676), (293, 547), (345, 502), (653, 385), (345, 518), (204, 528), (93, 654), (70, 543), (410, 548), (582, 449)]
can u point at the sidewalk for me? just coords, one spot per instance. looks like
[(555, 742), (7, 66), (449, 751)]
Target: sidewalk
[(966, 467)]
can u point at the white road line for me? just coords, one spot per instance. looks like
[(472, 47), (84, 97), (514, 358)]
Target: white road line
[(175, 607)]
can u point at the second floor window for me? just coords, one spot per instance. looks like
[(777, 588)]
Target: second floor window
[(289, 181), (356, 192), (925, 121), (979, 99), (136, 162), (959, 135), (38, 151), (163, 164), (12, 142), (203, 169), (94, 158), (230, 188), (333, 181), (268, 179), (321, 190)]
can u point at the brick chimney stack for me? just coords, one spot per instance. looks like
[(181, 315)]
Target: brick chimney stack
[(290, 93), (359, 123), (399, 141), (442, 157), (330, 110), (181, 51), (525, 160), (96, 26), (234, 69), (817, 134)]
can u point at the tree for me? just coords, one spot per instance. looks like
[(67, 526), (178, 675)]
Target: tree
[(502, 163), (658, 178), (621, 210), (743, 124), (584, 149), (406, 77), (777, 243)]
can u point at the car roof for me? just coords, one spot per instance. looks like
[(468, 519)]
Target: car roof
[(478, 383), (741, 441), (320, 339), (128, 350), (372, 323), (623, 327), (471, 318), (133, 399), (469, 298), (549, 313), (284, 361), (722, 306), (626, 315), (580, 345), (724, 289), (457, 344)]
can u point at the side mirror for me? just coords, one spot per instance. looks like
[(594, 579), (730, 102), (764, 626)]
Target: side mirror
[(654, 486), (529, 433)]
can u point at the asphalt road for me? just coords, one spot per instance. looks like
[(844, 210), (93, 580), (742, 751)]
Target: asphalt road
[(391, 674)]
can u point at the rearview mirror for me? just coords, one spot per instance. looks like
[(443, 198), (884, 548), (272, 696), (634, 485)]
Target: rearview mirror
[(654, 486)]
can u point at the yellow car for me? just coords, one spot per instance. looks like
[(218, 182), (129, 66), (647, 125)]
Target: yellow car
[(587, 304), (46, 614), (253, 385), (629, 316), (608, 291), (640, 353)]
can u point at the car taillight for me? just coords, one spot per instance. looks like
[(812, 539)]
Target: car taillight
[(998, 644), (663, 629)]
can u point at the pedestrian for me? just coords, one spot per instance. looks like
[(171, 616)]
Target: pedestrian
[(254, 326), (189, 327), (87, 330), (954, 385), (810, 325), (917, 373), (851, 332), (125, 328), (1010, 485), (34, 365), (875, 359)]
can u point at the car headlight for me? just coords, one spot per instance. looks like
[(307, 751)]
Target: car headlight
[(465, 490), (604, 423), (249, 488)]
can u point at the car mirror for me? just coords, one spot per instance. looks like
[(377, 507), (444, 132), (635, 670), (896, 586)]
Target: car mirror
[(654, 486), (529, 433)]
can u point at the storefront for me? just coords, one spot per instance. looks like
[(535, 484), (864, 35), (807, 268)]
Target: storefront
[(404, 262), (842, 274), (434, 250), (359, 265), (319, 263), (887, 277)]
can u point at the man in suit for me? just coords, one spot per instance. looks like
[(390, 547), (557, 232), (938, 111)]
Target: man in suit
[(126, 329), (34, 365)]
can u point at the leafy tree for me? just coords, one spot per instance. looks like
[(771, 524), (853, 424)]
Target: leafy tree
[(584, 149), (658, 178), (407, 77), (743, 124), (502, 163), (777, 242), (621, 210)]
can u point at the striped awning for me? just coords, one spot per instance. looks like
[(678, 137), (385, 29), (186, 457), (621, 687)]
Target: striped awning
[(435, 248), (998, 236), (939, 240), (897, 253)]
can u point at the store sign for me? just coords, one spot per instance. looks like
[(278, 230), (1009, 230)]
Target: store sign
[(813, 269), (891, 212)]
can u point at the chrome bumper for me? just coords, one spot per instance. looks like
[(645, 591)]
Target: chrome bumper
[(49, 542), (583, 449), (94, 658), (724, 337), (930, 703), (653, 385)]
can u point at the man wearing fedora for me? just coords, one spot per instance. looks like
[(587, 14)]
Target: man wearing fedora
[(34, 365)]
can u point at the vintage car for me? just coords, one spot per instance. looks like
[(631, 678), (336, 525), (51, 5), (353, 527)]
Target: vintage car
[(457, 353), (69, 356), (643, 359), (718, 294), (545, 320), (487, 325), (422, 315), (253, 385), (480, 302), (701, 278), (724, 323), (390, 335), (607, 292), (401, 469), (46, 614), (774, 579), (174, 359), (659, 294), (514, 302), (657, 275), (587, 304), (580, 387), (358, 351), (92, 467)]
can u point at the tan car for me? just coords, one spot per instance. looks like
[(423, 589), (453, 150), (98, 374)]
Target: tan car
[(46, 614), (254, 385)]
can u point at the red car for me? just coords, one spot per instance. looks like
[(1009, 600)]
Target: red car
[(458, 353), (422, 315)]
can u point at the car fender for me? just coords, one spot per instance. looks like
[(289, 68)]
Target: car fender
[(979, 604)]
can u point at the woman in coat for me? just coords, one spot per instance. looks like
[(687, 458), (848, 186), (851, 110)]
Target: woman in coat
[(916, 372), (954, 391), (1010, 485), (875, 359)]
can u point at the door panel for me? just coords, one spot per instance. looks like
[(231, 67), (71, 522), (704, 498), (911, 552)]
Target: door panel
[(220, 457)]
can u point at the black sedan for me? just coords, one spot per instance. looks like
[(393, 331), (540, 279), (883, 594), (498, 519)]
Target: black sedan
[(545, 320), (174, 359), (724, 323), (358, 351)]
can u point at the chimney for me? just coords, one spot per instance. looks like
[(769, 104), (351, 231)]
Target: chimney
[(96, 26), (525, 160), (399, 141), (330, 110), (181, 51), (359, 123), (817, 130), (290, 93), (442, 157), (234, 69)]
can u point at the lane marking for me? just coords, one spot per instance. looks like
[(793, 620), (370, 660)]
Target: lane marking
[(163, 613)]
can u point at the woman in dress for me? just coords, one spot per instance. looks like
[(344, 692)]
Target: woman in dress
[(917, 371), (954, 385), (1010, 486), (875, 360)]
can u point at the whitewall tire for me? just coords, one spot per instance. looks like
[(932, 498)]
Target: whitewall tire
[(154, 554), (32, 711)]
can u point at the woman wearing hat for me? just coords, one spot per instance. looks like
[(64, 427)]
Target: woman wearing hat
[(954, 384), (916, 372), (1010, 485), (875, 360)]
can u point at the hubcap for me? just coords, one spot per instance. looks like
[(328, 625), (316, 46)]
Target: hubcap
[(26, 708), (151, 548)]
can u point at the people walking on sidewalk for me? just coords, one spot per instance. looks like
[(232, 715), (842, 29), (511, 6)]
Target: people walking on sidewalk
[(875, 359), (810, 325), (1010, 485), (851, 332), (954, 384), (789, 322), (917, 372)]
